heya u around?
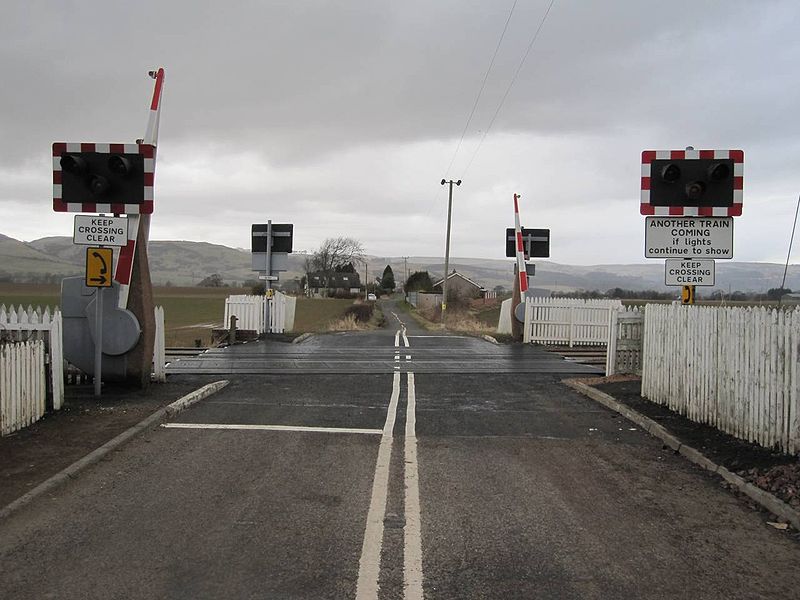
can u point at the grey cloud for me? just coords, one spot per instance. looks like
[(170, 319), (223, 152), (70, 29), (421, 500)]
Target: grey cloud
[(350, 111)]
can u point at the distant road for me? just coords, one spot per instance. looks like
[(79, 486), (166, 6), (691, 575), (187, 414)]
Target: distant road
[(393, 464)]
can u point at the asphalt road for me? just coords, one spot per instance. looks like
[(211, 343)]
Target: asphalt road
[(394, 465)]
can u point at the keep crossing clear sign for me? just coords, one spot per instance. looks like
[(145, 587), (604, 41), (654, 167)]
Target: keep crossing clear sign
[(689, 271), (100, 231)]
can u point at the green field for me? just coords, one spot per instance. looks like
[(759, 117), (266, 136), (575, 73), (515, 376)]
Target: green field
[(314, 314), (13, 294), (190, 313)]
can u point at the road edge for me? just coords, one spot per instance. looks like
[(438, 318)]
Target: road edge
[(98, 454), (761, 497)]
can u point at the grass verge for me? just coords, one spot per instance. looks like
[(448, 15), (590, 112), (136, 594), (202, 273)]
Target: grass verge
[(315, 314)]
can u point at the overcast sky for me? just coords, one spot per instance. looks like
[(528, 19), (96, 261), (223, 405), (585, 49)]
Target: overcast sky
[(342, 117)]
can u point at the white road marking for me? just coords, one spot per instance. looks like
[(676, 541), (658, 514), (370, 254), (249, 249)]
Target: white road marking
[(408, 357), (405, 338), (397, 338), (412, 553), (369, 566), (251, 427), (465, 337)]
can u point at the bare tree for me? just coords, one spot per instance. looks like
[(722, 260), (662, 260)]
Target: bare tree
[(336, 251)]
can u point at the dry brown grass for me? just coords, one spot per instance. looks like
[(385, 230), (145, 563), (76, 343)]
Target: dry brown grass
[(468, 323), (347, 323), (457, 321)]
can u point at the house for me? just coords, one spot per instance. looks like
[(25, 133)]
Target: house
[(459, 285), (325, 284)]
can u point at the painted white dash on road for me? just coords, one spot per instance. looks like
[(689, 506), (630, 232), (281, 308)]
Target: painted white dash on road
[(253, 427), (369, 566), (397, 339), (405, 338), (412, 553)]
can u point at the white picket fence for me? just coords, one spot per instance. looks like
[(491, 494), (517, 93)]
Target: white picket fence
[(249, 312), (735, 368), (23, 389), (572, 321), (22, 324)]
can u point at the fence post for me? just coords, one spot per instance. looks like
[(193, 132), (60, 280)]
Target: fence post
[(159, 348), (571, 325), (611, 352), (57, 360), (526, 327)]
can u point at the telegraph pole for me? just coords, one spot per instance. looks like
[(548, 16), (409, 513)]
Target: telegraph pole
[(447, 245), (405, 275)]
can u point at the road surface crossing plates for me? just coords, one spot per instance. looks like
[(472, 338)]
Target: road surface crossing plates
[(374, 352)]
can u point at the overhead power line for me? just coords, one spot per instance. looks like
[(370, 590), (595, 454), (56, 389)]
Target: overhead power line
[(510, 85), (789, 253), (483, 85)]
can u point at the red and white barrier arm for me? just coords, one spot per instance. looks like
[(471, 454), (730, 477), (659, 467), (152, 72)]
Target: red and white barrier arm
[(127, 253), (522, 272)]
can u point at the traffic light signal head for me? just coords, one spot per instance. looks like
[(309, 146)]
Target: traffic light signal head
[(692, 183), (115, 178)]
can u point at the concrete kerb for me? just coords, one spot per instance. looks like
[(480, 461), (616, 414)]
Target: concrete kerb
[(97, 455), (766, 500), (302, 338)]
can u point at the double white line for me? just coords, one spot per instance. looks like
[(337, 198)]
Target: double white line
[(370, 564)]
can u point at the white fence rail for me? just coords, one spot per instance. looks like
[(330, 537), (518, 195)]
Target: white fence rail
[(22, 324), (23, 388), (249, 312), (570, 321), (733, 368)]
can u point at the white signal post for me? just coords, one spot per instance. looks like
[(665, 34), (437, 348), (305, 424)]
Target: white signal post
[(267, 280)]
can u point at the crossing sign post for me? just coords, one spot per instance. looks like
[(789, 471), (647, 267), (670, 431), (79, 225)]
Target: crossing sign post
[(98, 275), (271, 244)]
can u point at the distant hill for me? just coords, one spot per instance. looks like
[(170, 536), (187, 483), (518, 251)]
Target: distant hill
[(187, 263), (21, 260)]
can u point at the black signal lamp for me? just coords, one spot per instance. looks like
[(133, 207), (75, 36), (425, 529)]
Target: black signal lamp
[(671, 173), (72, 163), (99, 185), (695, 190), (719, 172), (119, 165)]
